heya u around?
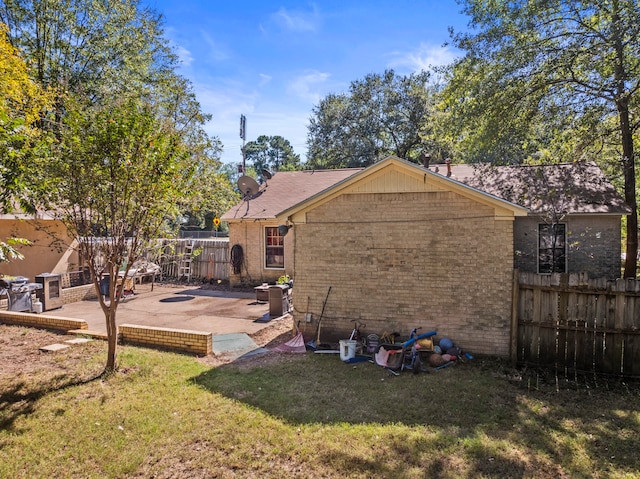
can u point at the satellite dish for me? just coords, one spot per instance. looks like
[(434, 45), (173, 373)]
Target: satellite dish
[(266, 174), (247, 186), (283, 229)]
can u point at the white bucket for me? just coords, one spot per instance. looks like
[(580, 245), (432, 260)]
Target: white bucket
[(347, 349)]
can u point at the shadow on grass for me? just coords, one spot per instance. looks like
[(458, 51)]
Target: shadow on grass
[(320, 388), (19, 399), (498, 426)]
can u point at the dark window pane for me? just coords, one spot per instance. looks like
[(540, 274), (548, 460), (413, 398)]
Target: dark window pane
[(274, 254), (552, 248)]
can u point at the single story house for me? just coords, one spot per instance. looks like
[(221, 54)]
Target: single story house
[(403, 246)]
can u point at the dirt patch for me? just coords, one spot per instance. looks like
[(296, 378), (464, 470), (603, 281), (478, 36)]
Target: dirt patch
[(20, 351)]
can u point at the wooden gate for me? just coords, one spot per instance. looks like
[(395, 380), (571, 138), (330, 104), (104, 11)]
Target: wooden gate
[(572, 323)]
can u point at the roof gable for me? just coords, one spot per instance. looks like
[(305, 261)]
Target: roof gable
[(394, 175)]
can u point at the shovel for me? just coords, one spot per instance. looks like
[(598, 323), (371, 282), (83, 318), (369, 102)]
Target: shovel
[(313, 344)]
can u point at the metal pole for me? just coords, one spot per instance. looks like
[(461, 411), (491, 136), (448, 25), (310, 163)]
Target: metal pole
[(243, 135)]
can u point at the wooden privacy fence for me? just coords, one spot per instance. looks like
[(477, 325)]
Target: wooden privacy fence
[(203, 259), (574, 324)]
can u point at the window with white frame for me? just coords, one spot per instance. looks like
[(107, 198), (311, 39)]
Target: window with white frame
[(274, 248), (552, 248)]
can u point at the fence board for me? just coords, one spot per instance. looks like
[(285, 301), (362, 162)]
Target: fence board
[(208, 261), (579, 324)]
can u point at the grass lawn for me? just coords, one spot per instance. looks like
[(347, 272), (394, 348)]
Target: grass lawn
[(166, 415)]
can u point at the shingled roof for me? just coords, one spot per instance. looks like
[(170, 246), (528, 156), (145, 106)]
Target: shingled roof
[(569, 188), (285, 190)]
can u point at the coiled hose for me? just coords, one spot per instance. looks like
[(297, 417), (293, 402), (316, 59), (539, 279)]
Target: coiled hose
[(237, 257)]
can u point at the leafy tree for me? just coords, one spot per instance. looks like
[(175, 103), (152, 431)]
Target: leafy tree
[(381, 115), (21, 104), (272, 153), (553, 78), (100, 50), (118, 173), (103, 48), (212, 193)]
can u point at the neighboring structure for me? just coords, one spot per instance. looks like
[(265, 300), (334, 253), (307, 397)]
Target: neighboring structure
[(401, 246), (52, 250), (574, 217)]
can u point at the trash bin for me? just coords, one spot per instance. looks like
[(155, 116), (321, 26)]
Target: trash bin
[(105, 282)]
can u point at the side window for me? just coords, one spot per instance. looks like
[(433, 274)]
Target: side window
[(274, 248), (552, 251)]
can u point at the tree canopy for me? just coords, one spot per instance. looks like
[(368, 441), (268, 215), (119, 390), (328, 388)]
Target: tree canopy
[(271, 153), (99, 50), (383, 114), (102, 47), (127, 153), (21, 104), (542, 79)]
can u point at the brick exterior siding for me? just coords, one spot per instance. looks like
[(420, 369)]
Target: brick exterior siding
[(395, 261), (251, 236), (593, 244)]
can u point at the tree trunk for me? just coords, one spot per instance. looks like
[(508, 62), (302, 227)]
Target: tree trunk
[(629, 171), (112, 340), (626, 131), (110, 317)]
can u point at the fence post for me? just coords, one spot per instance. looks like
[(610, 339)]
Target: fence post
[(515, 295)]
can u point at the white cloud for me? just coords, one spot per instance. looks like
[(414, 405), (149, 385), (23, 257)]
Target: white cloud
[(185, 56), (298, 20), (264, 79), (214, 51), (307, 86), (423, 58)]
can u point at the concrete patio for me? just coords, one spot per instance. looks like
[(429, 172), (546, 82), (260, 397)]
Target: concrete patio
[(178, 307)]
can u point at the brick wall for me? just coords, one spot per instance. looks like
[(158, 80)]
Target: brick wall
[(42, 321), (78, 293), (194, 342), (251, 236), (395, 261), (593, 245)]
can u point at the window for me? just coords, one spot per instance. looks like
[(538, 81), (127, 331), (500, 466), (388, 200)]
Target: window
[(552, 255), (274, 251)]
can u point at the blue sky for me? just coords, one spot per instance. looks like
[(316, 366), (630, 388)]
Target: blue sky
[(273, 61)]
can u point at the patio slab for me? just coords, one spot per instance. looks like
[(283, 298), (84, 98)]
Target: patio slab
[(218, 312)]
